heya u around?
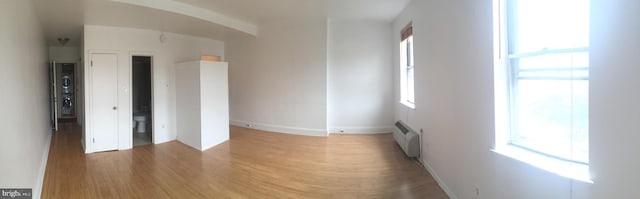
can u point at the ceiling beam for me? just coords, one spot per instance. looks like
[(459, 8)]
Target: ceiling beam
[(197, 12)]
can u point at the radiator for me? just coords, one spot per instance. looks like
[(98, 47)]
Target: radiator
[(407, 138)]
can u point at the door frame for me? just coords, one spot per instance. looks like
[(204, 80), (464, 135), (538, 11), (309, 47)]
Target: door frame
[(75, 86), (150, 54), (88, 98), (53, 84), (78, 81)]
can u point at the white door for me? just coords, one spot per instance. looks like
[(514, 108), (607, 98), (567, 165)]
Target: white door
[(54, 96), (104, 101)]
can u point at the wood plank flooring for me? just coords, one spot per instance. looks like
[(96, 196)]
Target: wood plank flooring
[(252, 164)]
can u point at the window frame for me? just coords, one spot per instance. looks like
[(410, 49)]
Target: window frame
[(506, 77), (407, 66)]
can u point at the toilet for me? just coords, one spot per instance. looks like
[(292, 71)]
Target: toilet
[(140, 122)]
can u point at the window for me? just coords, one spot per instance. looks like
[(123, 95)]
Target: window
[(407, 96), (543, 52)]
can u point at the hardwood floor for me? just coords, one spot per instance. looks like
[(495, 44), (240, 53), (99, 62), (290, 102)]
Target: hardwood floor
[(252, 164)]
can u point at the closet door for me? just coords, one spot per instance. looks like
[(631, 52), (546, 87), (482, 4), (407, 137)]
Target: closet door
[(104, 101)]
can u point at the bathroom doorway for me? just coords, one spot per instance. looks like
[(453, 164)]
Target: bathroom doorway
[(142, 100)]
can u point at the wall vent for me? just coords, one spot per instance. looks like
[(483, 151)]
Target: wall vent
[(407, 138)]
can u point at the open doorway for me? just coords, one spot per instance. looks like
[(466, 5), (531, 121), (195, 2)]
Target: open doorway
[(142, 100), (62, 78)]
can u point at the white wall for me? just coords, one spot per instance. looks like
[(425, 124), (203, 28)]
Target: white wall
[(454, 98), (214, 92), (454, 103), (25, 133), (614, 107), (203, 103), (188, 108), (278, 79), (359, 80), (64, 54), (127, 42)]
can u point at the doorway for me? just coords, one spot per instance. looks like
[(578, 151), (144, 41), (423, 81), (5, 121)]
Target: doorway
[(66, 92), (62, 78), (142, 100)]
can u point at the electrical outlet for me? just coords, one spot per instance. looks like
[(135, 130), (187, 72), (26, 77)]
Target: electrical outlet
[(477, 191)]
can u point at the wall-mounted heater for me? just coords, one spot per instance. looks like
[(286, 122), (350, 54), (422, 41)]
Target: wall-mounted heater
[(407, 138)]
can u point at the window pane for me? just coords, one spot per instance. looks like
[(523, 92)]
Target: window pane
[(552, 24), (410, 51), (410, 95), (551, 117)]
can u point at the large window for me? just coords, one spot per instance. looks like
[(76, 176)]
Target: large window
[(546, 56), (407, 96)]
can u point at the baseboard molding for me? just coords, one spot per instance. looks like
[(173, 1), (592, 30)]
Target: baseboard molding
[(437, 178), (164, 141), (37, 191), (361, 130), (280, 128)]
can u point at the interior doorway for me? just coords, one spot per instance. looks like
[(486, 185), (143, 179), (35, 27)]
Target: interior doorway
[(66, 92), (142, 100), (62, 80)]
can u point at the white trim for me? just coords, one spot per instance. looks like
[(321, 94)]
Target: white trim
[(503, 94), (196, 12), (280, 128), (437, 178), (37, 191), (408, 104), (88, 99), (361, 130), (163, 140)]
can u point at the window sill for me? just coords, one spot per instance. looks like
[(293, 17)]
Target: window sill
[(575, 171), (408, 104)]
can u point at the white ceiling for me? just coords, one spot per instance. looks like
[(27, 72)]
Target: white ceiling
[(65, 18), (263, 11), (260, 11)]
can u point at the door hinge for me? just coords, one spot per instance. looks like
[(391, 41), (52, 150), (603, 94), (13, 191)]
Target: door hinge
[(94, 140), (91, 62)]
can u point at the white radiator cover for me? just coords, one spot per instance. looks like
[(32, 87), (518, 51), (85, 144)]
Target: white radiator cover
[(407, 138)]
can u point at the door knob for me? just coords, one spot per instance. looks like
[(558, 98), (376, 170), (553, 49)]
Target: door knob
[(114, 108)]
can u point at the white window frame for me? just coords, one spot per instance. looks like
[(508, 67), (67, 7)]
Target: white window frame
[(407, 69), (505, 80)]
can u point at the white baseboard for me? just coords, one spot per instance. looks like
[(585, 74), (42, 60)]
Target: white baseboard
[(437, 178), (37, 191), (280, 128), (361, 130)]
